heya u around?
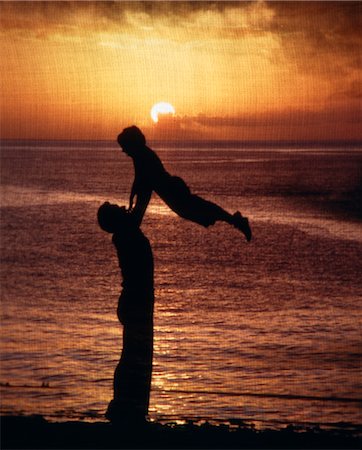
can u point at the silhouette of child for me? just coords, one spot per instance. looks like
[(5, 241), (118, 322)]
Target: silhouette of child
[(150, 175), (132, 377)]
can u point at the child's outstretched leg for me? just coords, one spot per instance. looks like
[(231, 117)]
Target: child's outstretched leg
[(242, 224), (237, 220), (206, 213)]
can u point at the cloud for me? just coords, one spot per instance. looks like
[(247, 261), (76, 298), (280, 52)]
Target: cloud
[(319, 31), (326, 124), (30, 14), (323, 36), (319, 22), (351, 92), (277, 118), (307, 31)]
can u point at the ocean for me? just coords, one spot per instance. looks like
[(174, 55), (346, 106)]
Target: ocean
[(266, 332)]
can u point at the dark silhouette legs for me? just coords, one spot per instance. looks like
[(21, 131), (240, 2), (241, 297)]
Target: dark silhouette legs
[(132, 377)]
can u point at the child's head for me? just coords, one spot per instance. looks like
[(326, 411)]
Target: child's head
[(112, 218), (131, 138)]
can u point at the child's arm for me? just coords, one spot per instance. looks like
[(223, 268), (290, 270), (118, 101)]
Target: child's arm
[(142, 192), (143, 197), (148, 171)]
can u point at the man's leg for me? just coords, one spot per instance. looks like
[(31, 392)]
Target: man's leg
[(132, 377)]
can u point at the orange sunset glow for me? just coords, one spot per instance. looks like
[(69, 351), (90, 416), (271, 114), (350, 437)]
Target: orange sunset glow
[(231, 70)]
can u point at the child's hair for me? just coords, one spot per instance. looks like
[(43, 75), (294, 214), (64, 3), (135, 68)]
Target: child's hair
[(131, 137)]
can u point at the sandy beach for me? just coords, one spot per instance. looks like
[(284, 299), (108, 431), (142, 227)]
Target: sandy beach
[(30, 432)]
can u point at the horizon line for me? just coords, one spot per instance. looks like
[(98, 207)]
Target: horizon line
[(334, 142)]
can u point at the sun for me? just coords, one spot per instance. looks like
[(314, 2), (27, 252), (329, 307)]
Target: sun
[(161, 108)]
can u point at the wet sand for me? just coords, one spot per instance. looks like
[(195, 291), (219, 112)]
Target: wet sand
[(34, 432)]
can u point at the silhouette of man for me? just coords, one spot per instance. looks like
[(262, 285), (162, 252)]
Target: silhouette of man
[(132, 377), (150, 175)]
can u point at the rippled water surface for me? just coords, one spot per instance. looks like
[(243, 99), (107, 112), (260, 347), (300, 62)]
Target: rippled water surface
[(268, 331)]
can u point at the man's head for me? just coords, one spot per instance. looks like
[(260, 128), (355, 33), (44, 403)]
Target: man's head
[(130, 139), (112, 218)]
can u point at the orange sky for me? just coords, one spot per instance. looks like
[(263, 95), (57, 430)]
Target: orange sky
[(232, 70)]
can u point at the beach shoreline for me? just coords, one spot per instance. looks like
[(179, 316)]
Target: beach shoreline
[(30, 432)]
